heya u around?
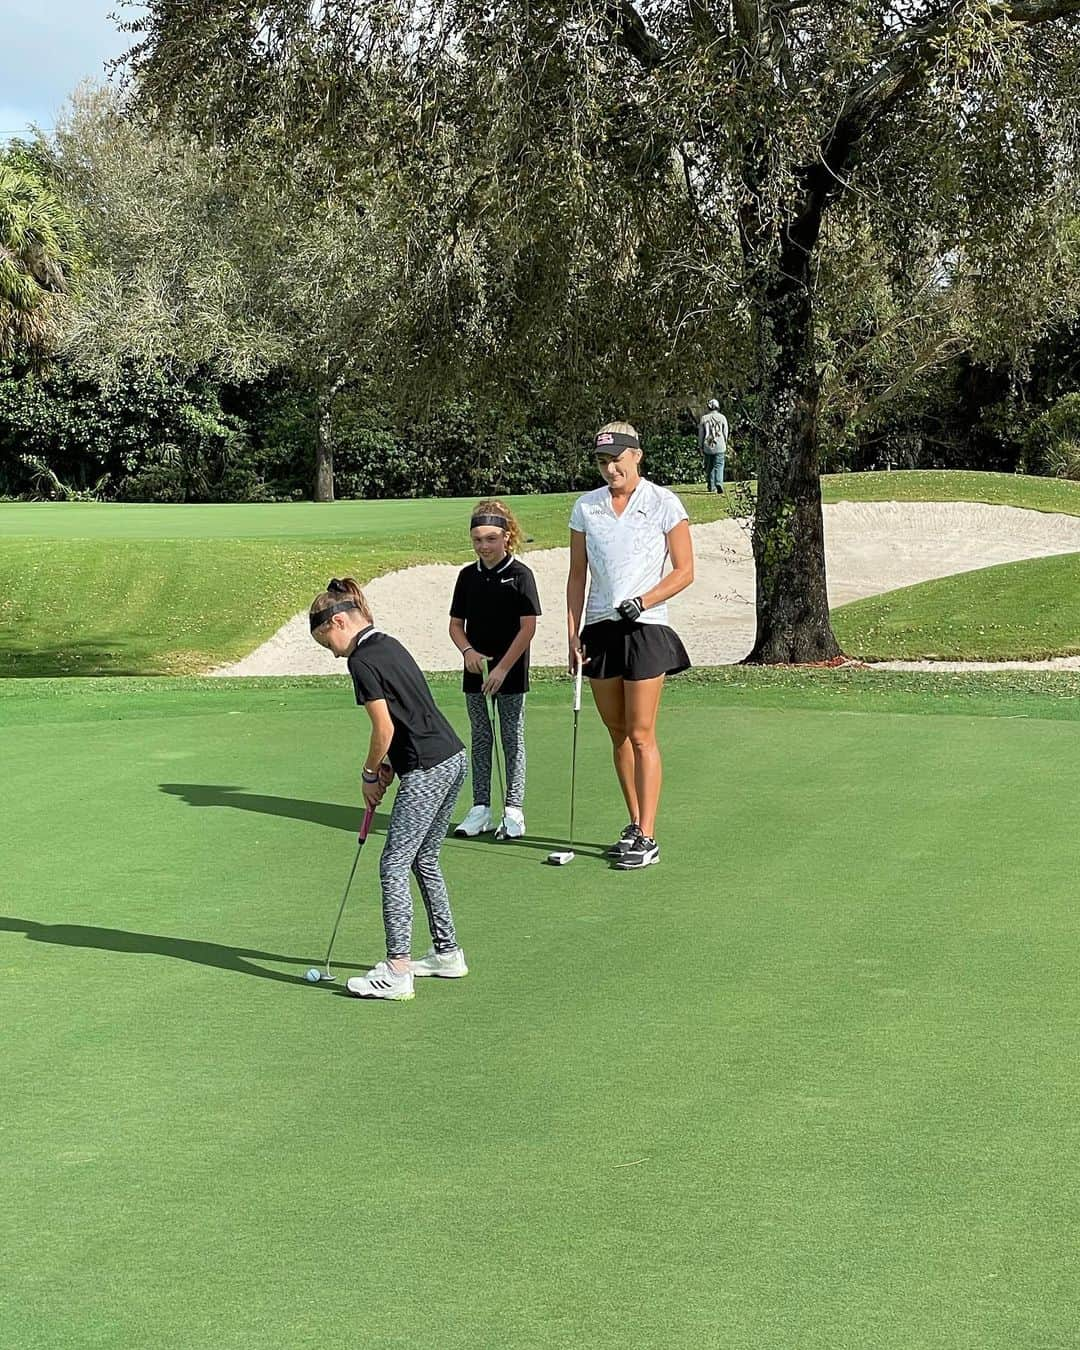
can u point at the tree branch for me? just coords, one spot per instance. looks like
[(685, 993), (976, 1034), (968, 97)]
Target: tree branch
[(912, 48), (632, 34), (902, 63), (747, 21)]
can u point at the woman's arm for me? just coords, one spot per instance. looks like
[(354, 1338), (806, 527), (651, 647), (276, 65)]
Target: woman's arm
[(681, 550), (499, 672), (575, 593)]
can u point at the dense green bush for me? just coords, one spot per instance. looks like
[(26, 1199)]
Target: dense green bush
[(1052, 443), (146, 437), (150, 436)]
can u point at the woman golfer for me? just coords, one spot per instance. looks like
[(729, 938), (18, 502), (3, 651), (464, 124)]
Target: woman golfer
[(493, 620), (409, 737), (621, 537)]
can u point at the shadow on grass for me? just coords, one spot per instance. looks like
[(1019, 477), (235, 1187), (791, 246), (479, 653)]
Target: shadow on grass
[(292, 808), (238, 959), (538, 843), (67, 659), (349, 817)]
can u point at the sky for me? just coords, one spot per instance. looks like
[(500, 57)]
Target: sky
[(48, 48)]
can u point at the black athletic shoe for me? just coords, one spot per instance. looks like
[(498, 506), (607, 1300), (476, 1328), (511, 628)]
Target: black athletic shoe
[(642, 853), (625, 841)]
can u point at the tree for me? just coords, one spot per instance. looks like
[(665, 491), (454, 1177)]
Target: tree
[(601, 195), (40, 252), (214, 263)]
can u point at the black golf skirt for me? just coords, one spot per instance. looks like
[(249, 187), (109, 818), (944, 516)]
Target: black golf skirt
[(618, 649)]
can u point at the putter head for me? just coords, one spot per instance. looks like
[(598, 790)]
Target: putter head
[(560, 859)]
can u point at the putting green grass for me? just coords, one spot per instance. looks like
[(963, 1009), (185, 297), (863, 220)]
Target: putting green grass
[(810, 1083), (1025, 611)]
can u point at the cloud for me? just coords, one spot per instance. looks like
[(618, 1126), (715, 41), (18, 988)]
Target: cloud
[(49, 47)]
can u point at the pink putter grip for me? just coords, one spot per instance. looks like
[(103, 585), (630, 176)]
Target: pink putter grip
[(366, 825)]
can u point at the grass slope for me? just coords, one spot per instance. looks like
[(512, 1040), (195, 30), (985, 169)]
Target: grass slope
[(1023, 611), (121, 590), (817, 1089), (934, 485), (127, 589)]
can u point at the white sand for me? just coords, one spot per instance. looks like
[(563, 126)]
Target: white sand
[(871, 547)]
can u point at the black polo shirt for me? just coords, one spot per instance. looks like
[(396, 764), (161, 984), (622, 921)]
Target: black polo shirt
[(491, 602), (381, 668)]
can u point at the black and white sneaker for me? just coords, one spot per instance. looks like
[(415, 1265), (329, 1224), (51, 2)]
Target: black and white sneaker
[(641, 853), (625, 841)]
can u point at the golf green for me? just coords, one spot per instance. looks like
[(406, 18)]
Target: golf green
[(812, 1082)]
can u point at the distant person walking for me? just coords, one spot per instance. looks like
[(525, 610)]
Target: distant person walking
[(712, 438)]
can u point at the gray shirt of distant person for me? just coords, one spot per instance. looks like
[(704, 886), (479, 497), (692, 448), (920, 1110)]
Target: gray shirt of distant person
[(713, 431)]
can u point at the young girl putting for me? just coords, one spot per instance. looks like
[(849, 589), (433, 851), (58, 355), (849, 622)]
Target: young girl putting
[(493, 619), (411, 738)]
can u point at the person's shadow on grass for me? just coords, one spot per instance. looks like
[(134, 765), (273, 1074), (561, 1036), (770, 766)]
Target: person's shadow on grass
[(292, 808), (348, 817), (239, 959)]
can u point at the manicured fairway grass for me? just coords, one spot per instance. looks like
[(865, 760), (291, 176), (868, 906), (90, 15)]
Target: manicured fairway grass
[(954, 485), (811, 1083), (121, 590), (101, 589), (1015, 612)]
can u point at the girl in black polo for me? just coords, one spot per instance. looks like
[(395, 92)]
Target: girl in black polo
[(412, 739), (493, 619)]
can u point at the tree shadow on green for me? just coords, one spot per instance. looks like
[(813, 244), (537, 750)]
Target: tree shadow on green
[(82, 657), (215, 954), (337, 817)]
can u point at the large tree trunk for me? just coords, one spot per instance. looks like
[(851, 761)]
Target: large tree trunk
[(789, 546), (324, 443)]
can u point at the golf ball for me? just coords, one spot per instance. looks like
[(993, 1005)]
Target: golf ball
[(313, 976)]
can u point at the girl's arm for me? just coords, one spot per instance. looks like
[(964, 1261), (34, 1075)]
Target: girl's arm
[(575, 594), (474, 660), (382, 733), (526, 633), (681, 550)]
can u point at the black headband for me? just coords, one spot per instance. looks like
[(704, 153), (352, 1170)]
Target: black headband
[(322, 615), (501, 521), (615, 442)]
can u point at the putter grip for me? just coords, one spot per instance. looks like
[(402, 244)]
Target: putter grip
[(577, 686), (365, 825)]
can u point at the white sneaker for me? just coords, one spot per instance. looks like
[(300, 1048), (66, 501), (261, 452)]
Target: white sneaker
[(382, 982), (448, 965), (478, 821), (513, 823)]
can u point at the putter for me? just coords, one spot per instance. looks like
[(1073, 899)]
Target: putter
[(495, 720), (561, 857), (326, 975)]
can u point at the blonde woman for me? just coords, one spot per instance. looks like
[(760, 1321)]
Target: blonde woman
[(622, 536)]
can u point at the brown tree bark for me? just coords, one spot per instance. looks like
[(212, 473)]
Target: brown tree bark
[(788, 540), (330, 385)]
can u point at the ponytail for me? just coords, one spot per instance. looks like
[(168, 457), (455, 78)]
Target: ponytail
[(340, 595)]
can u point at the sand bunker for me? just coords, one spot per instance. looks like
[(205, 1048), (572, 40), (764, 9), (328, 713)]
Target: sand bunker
[(871, 547)]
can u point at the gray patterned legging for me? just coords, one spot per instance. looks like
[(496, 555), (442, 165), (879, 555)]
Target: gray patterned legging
[(422, 809), (512, 725)]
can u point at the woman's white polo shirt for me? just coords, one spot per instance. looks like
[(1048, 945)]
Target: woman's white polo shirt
[(627, 553)]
